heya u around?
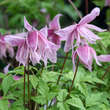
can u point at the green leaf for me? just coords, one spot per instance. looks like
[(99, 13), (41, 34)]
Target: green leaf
[(76, 102), (6, 84), (62, 95), (63, 106), (4, 104), (34, 81)]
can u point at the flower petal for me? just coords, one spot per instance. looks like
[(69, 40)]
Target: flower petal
[(44, 31), (90, 26), (27, 25), (104, 58), (54, 24), (90, 17)]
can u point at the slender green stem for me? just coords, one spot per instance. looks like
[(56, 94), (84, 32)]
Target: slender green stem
[(62, 68), (24, 85), (74, 77)]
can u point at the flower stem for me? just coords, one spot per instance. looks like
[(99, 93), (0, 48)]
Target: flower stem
[(24, 86), (28, 84), (74, 77), (74, 7), (62, 68), (107, 70), (86, 8)]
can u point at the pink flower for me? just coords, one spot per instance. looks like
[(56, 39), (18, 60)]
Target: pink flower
[(81, 31), (107, 2), (86, 55), (53, 27), (33, 45), (16, 77), (5, 47)]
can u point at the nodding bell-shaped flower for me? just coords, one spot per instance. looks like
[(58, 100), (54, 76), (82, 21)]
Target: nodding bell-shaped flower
[(81, 31), (54, 26), (86, 55), (5, 47), (33, 45)]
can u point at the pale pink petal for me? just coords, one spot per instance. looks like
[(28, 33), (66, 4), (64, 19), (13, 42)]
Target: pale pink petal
[(65, 32), (104, 58), (95, 56), (14, 40), (54, 24), (44, 31), (27, 25), (90, 26), (6, 68), (90, 17), (74, 55), (22, 54), (69, 42), (32, 40), (87, 34), (10, 51)]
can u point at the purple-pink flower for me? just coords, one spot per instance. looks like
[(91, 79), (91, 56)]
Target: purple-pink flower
[(86, 55), (54, 26), (33, 45), (5, 47), (81, 31)]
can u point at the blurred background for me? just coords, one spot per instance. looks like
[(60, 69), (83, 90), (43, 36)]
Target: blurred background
[(40, 12)]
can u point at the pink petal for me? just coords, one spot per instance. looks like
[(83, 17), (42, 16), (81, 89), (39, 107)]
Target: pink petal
[(14, 40), (44, 31), (69, 42), (104, 58), (54, 24), (87, 34), (32, 40), (90, 26), (90, 17), (6, 68), (27, 25), (65, 32), (10, 51), (95, 56), (74, 55), (22, 53)]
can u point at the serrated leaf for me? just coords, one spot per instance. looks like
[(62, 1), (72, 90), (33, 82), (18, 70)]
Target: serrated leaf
[(76, 102), (63, 106), (6, 83)]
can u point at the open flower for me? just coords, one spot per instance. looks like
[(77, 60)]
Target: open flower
[(5, 47), (81, 31), (33, 45), (53, 27), (86, 55)]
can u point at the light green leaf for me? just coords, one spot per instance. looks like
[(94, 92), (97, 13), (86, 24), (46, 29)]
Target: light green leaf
[(4, 104)]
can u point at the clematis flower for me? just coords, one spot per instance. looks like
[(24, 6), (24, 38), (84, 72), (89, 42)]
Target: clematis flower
[(107, 2), (81, 31), (86, 55), (33, 45), (5, 47), (53, 27)]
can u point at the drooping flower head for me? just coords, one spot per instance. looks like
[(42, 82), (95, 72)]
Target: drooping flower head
[(5, 47), (54, 26), (81, 31), (86, 55), (33, 45)]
